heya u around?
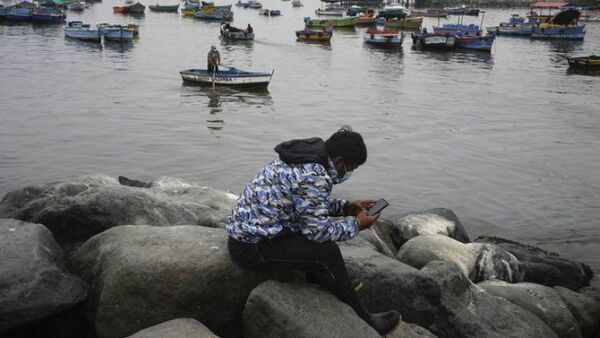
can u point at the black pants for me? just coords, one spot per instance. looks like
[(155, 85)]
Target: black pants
[(323, 263), (213, 68)]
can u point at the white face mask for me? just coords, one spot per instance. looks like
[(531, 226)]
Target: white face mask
[(346, 176)]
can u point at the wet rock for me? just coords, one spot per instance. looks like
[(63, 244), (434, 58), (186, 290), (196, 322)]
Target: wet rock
[(439, 221), (592, 290), (409, 330), (33, 280), (543, 267), (585, 309), (300, 310), (144, 275), (176, 328), (540, 300), (376, 235), (421, 250), (467, 311), (390, 284), (78, 209), (493, 262)]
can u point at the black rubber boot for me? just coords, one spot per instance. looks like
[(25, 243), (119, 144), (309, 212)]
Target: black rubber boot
[(383, 322)]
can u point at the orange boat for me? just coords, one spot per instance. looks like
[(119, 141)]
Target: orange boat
[(366, 19), (121, 9)]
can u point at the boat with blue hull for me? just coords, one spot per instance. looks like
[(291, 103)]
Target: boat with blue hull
[(516, 26), (563, 25), (476, 42), (48, 15), (383, 37), (457, 29), (232, 77), (424, 40), (20, 14)]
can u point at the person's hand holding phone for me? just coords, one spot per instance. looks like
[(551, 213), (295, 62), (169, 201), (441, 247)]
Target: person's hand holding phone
[(364, 220), (354, 207)]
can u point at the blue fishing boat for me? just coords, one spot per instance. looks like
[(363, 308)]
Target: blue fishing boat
[(425, 40), (382, 36), (232, 77), (47, 15), (475, 42), (3, 13), (563, 25), (457, 29), (20, 14), (515, 26)]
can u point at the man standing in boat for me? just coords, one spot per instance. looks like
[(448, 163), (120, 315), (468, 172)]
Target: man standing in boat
[(214, 60)]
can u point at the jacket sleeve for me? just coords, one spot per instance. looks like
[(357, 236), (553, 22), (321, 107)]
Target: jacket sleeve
[(336, 207), (313, 203)]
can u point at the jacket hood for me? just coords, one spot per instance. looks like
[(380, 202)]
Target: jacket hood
[(308, 150)]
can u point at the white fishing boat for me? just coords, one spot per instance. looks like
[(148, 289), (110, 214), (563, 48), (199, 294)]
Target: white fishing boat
[(115, 32), (335, 9), (232, 77), (80, 31), (297, 3)]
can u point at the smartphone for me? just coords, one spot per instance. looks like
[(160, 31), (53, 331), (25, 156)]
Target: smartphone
[(378, 207)]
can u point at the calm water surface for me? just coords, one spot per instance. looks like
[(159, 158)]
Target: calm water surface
[(509, 140)]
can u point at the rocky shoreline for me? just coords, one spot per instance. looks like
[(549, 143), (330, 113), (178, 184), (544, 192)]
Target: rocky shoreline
[(92, 258)]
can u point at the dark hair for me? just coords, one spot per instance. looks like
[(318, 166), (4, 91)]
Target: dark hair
[(348, 144)]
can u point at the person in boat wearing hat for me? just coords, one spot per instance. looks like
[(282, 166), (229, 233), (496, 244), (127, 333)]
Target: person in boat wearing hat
[(285, 219), (214, 60)]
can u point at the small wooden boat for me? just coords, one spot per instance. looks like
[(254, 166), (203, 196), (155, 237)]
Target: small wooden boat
[(562, 26), (120, 9), (205, 14), (462, 10), (135, 28), (516, 25), (336, 23), (430, 13), (356, 10), (164, 8), (475, 42), (383, 37), (76, 6), (47, 15), (234, 33), (424, 40), (390, 12), (297, 3), (80, 31), (115, 32), (366, 19), (254, 4), (591, 62), (136, 8), (232, 77), (263, 11), (331, 10), (408, 23), (20, 14), (323, 35)]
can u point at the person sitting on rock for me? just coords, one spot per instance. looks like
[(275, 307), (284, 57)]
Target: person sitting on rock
[(285, 219)]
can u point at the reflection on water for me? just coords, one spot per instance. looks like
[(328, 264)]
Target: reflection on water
[(220, 99), (588, 72)]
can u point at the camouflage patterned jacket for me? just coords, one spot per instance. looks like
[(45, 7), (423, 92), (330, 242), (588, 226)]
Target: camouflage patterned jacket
[(294, 196)]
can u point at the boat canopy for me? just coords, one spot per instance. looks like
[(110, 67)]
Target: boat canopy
[(565, 17), (549, 4)]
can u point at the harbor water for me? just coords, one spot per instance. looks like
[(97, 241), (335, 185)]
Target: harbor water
[(509, 140)]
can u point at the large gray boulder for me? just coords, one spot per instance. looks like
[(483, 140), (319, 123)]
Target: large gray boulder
[(78, 209), (585, 309), (543, 267), (409, 330), (390, 284), (493, 262), (176, 328), (33, 280), (541, 300), (421, 250), (468, 311), (300, 311), (439, 221), (144, 275)]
